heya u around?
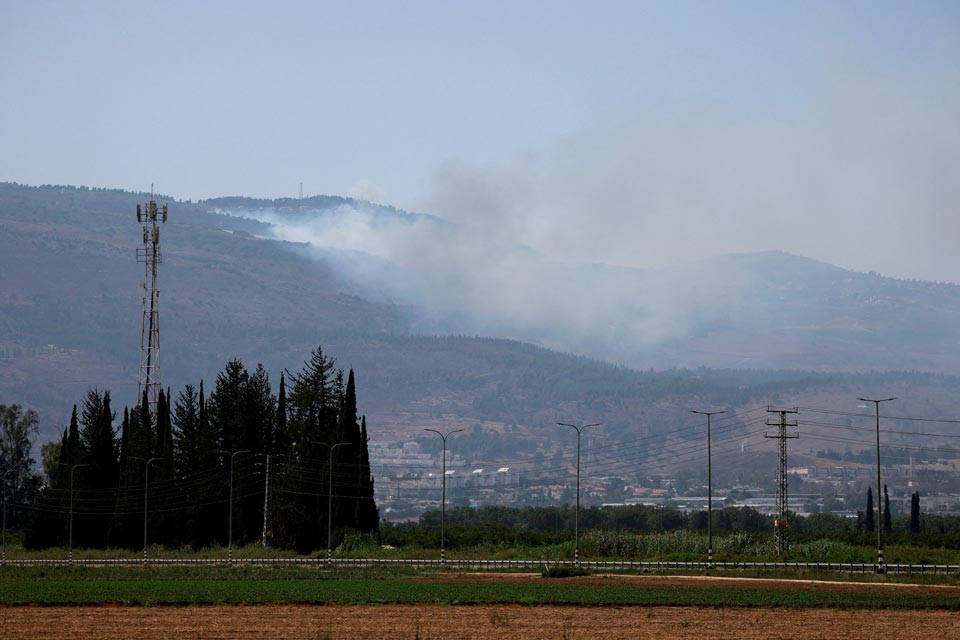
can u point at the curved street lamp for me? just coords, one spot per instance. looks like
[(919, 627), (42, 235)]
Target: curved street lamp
[(72, 467), (230, 516), (709, 414), (443, 494), (146, 487), (576, 517), (330, 449), (879, 518)]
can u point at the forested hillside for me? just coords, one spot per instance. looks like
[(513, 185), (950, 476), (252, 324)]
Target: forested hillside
[(70, 305)]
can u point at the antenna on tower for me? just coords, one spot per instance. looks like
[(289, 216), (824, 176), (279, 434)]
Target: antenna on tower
[(148, 377)]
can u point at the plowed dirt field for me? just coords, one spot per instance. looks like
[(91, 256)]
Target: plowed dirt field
[(496, 622), (479, 622)]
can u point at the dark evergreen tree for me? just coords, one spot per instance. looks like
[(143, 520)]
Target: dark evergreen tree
[(869, 523), (187, 461), (257, 437), (161, 476), (186, 434), (347, 478), (300, 518), (311, 405), (368, 517), (127, 525), (165, 439), (120, 535), (915, 512), (146, 426), (281, 437), (887, 519), (207, 477), (99, 447), (74, 452), (124, 438), (242, 410)]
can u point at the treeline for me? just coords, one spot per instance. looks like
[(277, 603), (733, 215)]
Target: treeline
[(181, 464), (539, 526)]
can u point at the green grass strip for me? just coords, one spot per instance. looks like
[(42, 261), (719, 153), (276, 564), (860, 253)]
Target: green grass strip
[(354, 592)]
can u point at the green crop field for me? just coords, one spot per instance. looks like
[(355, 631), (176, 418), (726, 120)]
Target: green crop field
[(351, 591)]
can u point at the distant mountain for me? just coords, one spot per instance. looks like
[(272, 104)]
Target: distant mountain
[(70, 305), (776, 310), (759, 310)]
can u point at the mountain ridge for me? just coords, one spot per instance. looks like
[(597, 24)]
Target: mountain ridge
[(70, 306)]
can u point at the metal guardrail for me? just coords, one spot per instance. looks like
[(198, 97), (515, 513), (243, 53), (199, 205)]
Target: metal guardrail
[(522, 565)]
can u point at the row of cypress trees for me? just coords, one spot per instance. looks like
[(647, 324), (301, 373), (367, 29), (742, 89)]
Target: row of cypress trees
[(181, 462)]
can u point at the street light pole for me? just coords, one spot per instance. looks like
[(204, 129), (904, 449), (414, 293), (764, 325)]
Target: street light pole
[(230, 516), (443, 492), (330, 449), (709, 414), (146, 498), (576, 516), (72, 467), (879, 517), (3, 542)]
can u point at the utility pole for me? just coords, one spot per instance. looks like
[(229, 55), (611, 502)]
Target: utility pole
[(266, 506), (443, 490), (148, 377), (230, 516), (576, 515), (780, 523), (709, 415), (879, 517), (3, 542), (330, 450), (146, 496), (72, 467)]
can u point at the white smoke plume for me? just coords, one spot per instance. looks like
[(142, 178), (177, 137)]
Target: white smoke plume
[(863, 172)]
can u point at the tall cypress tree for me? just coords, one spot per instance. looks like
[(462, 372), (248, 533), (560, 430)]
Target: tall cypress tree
[(161, 474), (915, 512), (119, 526), (73, 452), (368, 517), (207, 522), (870, 524), (887, 519), (186, 460), (347, 481), (281, 437), (102, 476), (145, 435)]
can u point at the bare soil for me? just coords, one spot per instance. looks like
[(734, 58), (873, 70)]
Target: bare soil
[(476, 622), (496, 622)]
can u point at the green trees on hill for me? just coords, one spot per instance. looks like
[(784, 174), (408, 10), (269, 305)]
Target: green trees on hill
[(192, 446)]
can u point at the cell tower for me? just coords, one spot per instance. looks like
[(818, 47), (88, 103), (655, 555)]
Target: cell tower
[(780, 524), (149, 254)]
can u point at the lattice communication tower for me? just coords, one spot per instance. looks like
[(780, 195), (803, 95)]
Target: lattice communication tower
[(148, 378)]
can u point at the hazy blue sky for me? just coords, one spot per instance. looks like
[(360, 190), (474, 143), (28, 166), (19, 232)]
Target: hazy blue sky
[(631, 132)]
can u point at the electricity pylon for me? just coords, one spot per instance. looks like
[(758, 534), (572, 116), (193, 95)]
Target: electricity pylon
[(780, 524)]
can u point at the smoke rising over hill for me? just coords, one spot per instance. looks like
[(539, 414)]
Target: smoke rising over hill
[(767, 309)]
